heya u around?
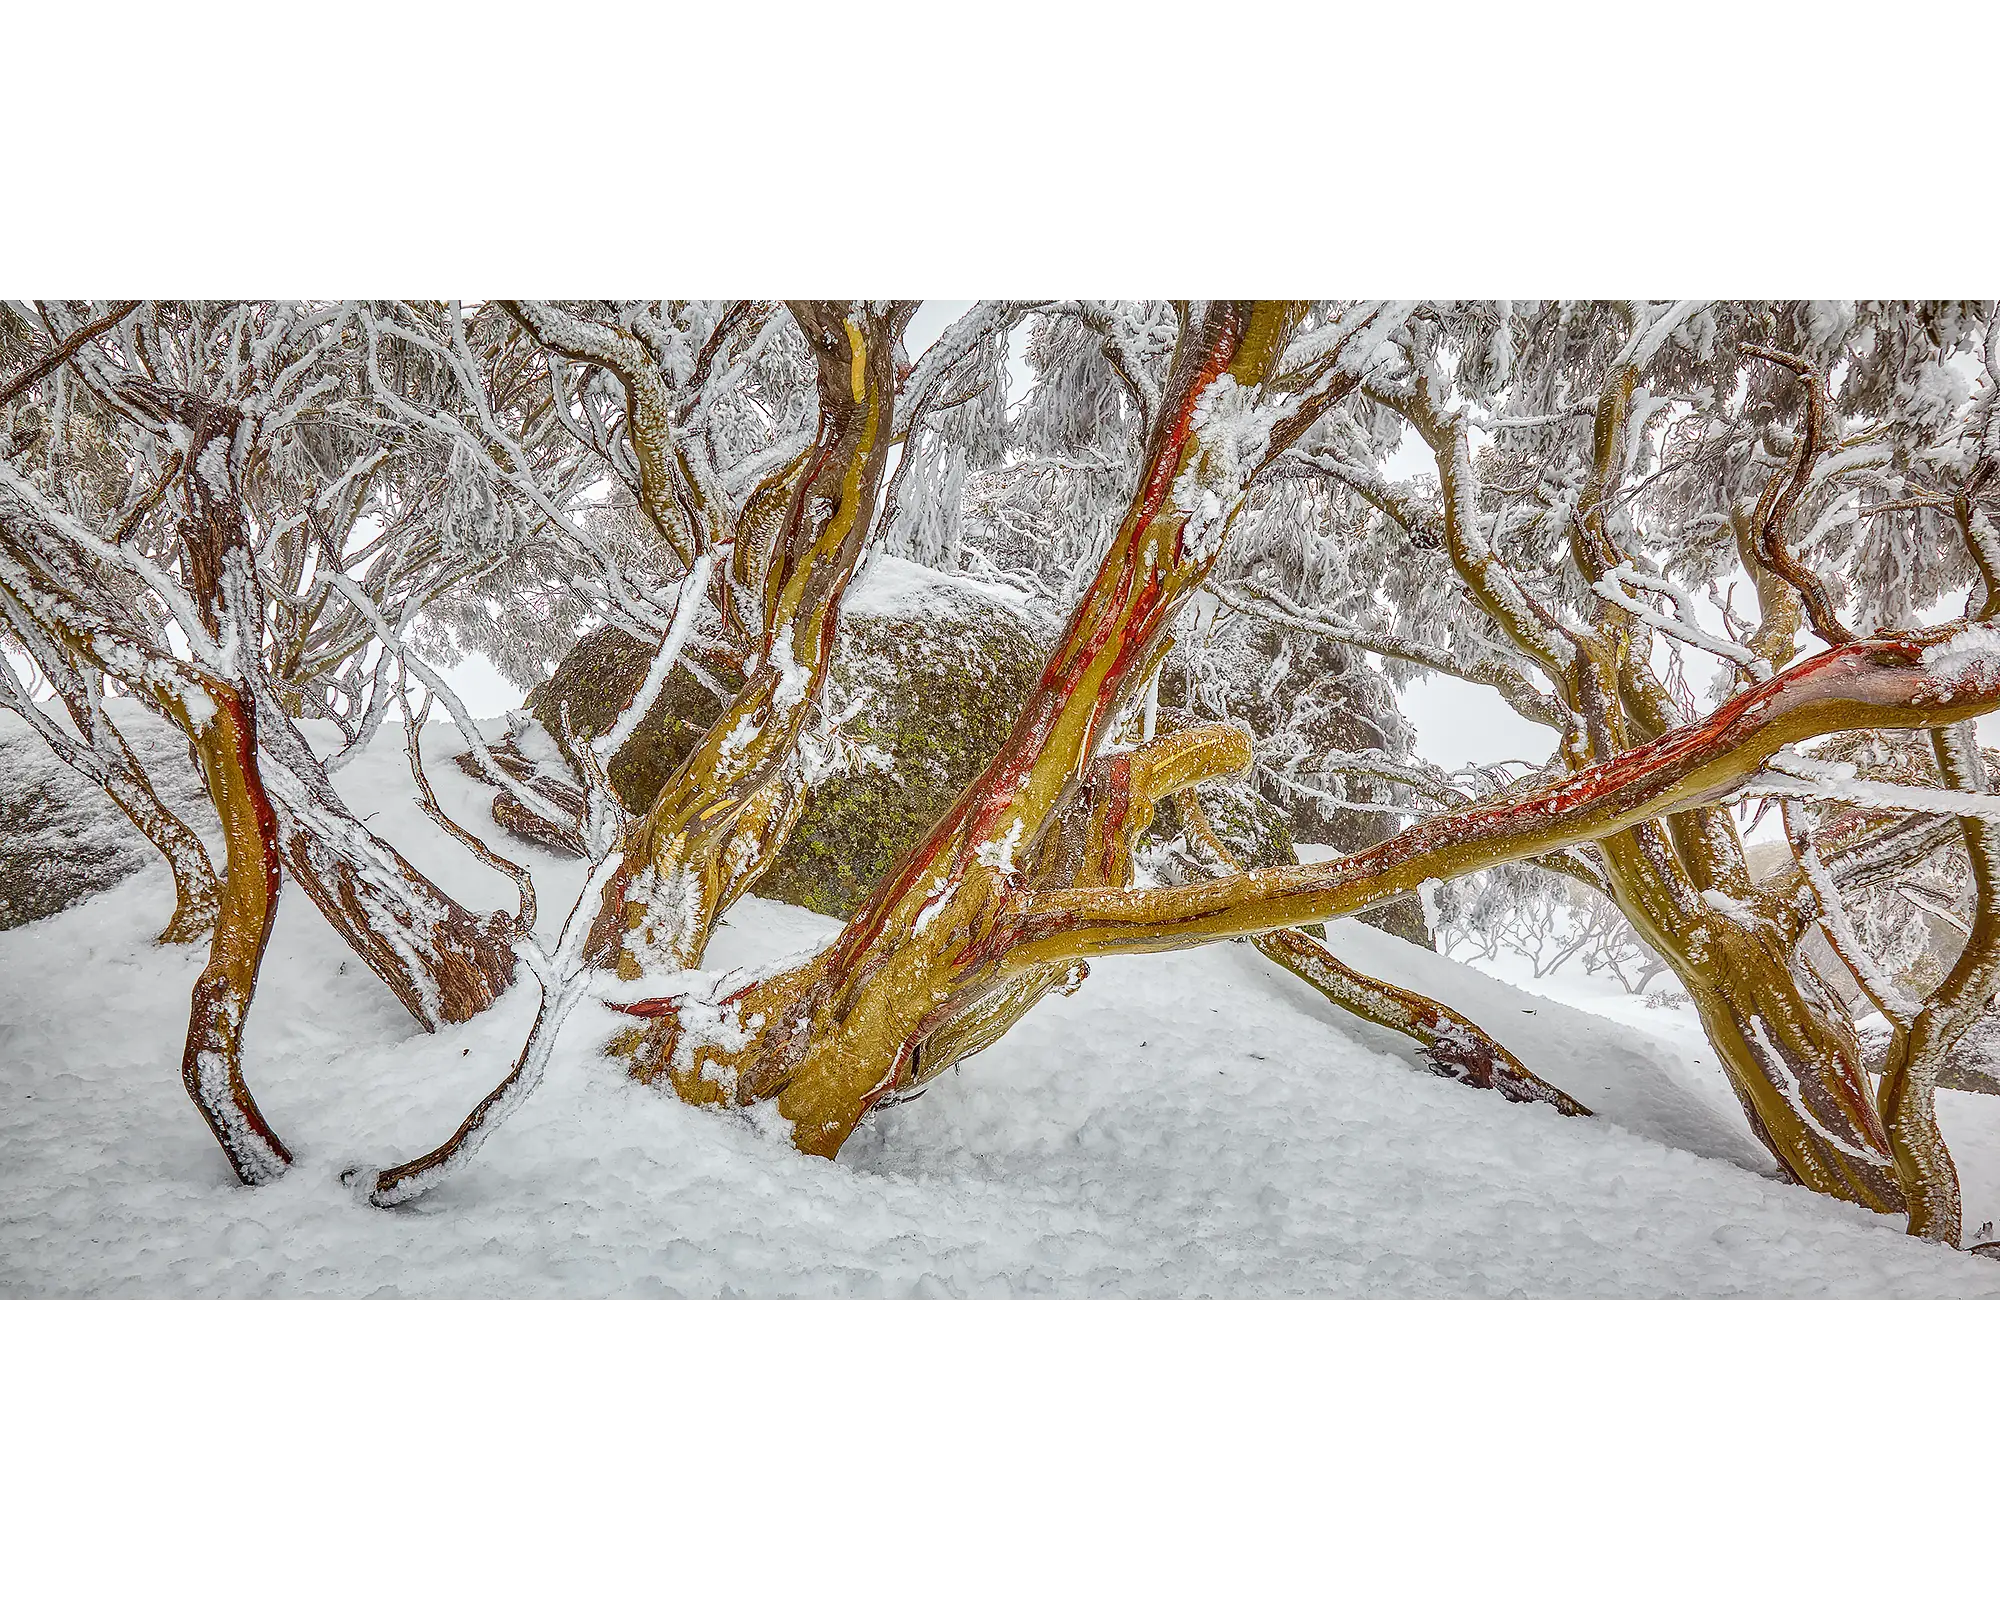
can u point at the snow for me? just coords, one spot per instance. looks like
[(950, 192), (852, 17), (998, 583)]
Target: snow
[(1233, 432), (1967, 662), (1735, 910), (889, 586), (999, 853), (1790, 775), (1191, 1124)]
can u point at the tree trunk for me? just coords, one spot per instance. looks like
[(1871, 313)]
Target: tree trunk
[(1919, 1051), (1795, 1069), (101, 754), (443, 962), (1790, 1055), (919, 969), (212, 1060), (830, 1039), (1455, 1045), (721, 820)]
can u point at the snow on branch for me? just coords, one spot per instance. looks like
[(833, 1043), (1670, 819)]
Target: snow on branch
[(687, 607), (1612, 586), (1269, 605), (392, 642), (1651, 329), (1792, 776)]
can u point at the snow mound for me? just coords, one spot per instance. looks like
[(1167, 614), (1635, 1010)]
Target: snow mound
[(1189, 1124), (889, 586)]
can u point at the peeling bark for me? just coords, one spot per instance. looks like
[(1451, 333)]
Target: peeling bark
[(214, 716), (720, 821), (924, 964)]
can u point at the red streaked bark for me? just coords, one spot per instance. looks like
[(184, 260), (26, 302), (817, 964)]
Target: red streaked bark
[(212, 1057)]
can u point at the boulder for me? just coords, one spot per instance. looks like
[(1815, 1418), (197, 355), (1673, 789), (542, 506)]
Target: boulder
[(61, 837), (597, 680), (939, 666)]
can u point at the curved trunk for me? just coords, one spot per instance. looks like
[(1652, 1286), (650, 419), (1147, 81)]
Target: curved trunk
[(212, 713), (1908, 1098), (1455, 1046), (212, 1058), (1795, 1069), (833, 1037), (197, 895), (100, 753), (1918, 1052), (867, 1023), (721, 820), (1790, 1055)]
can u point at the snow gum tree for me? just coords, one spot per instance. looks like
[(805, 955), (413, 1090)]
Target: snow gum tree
[(767, 521), (254, 516), (234, 454), (1020, 882), (1627, 454)]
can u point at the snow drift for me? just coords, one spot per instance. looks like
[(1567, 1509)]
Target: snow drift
[(1197, 1123)]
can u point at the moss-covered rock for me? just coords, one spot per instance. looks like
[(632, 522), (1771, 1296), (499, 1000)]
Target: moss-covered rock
[(941, 666), (942, 693), (597, 680), (1258, 833)]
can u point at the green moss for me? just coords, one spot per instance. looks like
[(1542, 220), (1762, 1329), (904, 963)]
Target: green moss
[(942, 694), (942, 689), (598, 678)]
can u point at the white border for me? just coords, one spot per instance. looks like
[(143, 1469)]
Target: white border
[(1233, 147)]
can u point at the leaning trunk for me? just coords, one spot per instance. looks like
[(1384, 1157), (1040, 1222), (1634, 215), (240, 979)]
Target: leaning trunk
[(721, 821), (1789, 1054), (212, 1059), (443, 962), (1795, 1068)]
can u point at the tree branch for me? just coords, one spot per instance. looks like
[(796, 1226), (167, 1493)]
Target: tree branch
[(1926, 679)]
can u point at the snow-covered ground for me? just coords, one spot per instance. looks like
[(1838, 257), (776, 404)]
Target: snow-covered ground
[(1191, 1124)]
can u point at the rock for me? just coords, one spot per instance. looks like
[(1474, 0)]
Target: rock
[(945, 663), (1257, 833), (942, 694), (1323, 700), (61, 837), (942, 665), (597, 680)]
